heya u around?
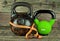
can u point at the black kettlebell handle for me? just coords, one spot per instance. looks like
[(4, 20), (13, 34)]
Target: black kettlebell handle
[(45, 11), (25, 4)]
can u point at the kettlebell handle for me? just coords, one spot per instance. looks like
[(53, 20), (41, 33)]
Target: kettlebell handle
[(25, 4), (45, 11)]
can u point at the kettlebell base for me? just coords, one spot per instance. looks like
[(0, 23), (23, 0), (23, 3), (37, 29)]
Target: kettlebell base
[(19, 31), (43, 34)]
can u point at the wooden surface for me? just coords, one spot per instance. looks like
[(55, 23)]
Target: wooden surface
[(37, 4), (7, 35), (4, 19)]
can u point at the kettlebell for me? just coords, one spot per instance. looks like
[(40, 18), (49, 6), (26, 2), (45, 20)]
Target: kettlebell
[(22, 19), (44, 27)]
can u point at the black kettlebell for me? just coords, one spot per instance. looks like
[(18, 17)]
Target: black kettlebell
[(22, 19)]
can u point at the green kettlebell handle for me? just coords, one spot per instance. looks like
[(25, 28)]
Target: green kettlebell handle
[(45, 11)]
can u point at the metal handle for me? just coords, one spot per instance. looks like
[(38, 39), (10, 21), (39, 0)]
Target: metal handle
[(45, 11), (25, 4)]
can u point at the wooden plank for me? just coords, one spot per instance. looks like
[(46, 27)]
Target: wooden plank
[(8, 35)]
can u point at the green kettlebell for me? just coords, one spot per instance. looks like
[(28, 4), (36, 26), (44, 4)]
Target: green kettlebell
[(44, 27)]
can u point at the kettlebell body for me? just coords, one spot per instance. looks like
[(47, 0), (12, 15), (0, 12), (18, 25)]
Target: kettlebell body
[(44, 27), (24, 20)]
